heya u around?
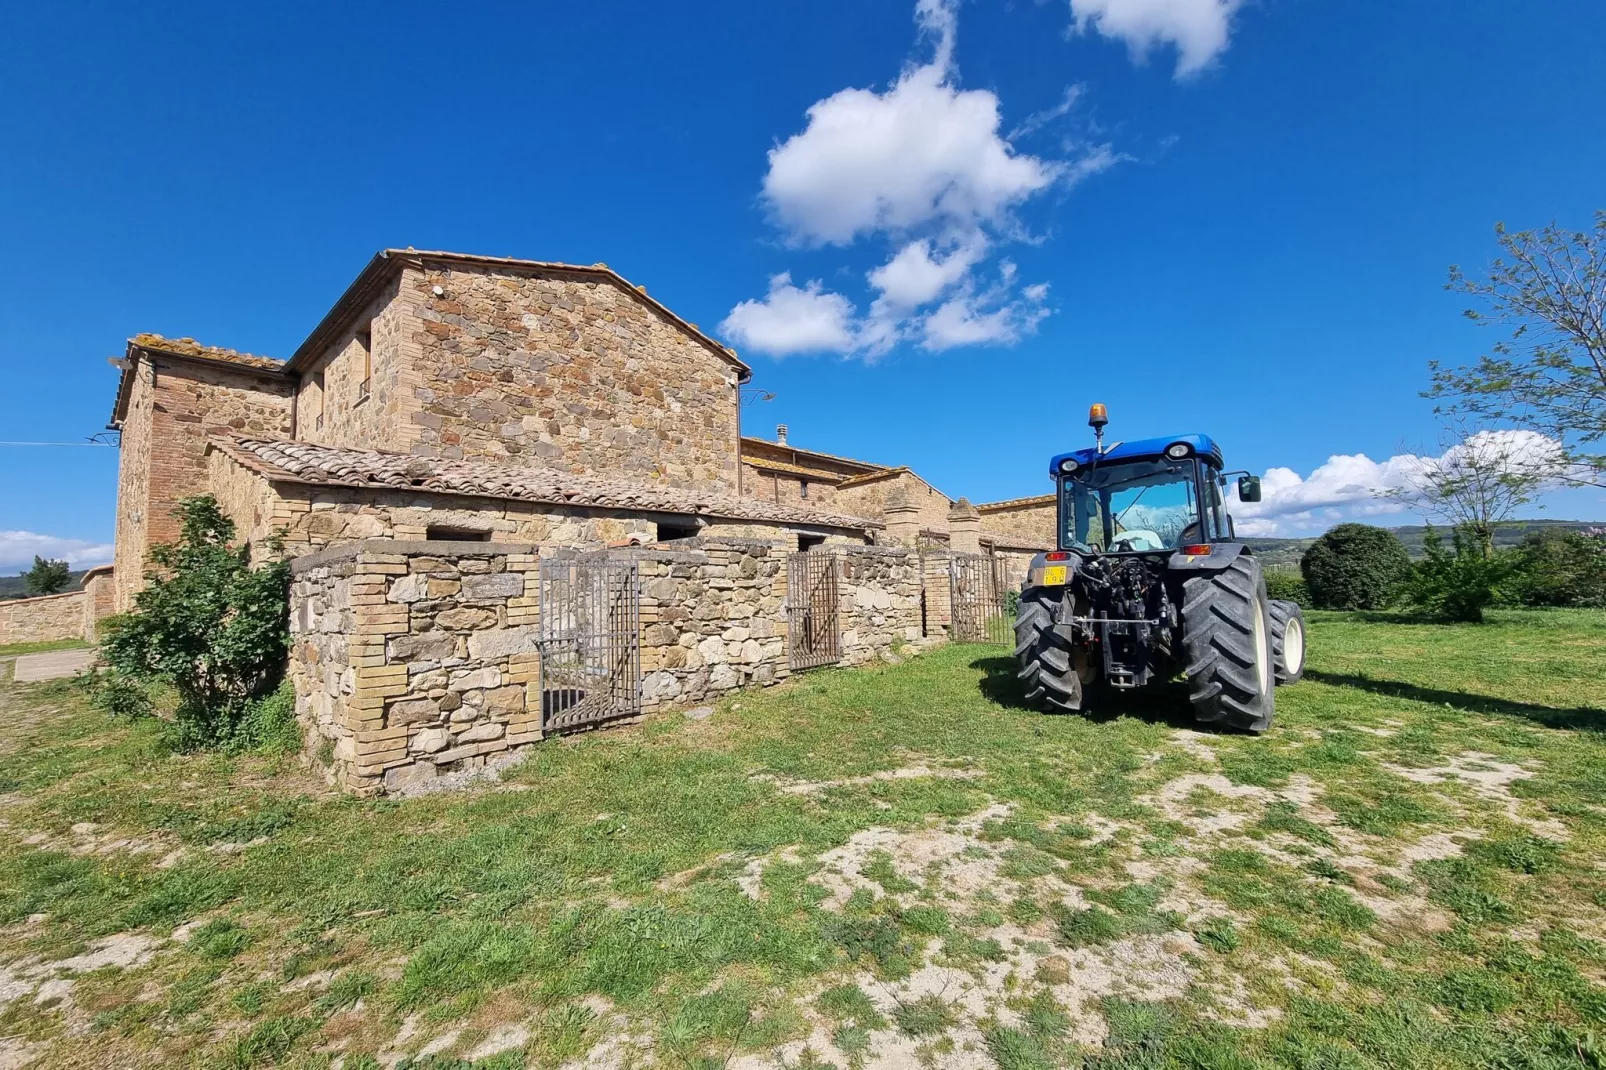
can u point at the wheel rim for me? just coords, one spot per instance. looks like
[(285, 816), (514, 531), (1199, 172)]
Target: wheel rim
[(1262, 669), (1293, 647)]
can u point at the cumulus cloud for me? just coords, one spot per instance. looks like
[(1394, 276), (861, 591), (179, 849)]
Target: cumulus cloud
[(18, 548), (791, 319), (923, 166), (1355, 487), (1199, 29)]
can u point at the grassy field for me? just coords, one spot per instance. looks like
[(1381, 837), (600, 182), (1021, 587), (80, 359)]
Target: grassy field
[(888, 867), (9, 649)]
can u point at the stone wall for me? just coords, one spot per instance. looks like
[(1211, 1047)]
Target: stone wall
[(100, 599), (411, 658), (174, 407), (415, 658), (712, 618), (1028, 519), (786, 488), (868, 498), (569, 370), (880, 600), (44, 619), (383, 417)]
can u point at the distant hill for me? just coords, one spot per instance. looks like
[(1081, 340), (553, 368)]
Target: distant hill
[(1285, 553), (12, 586)]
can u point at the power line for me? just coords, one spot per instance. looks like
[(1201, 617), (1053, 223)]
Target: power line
[(55, 443)]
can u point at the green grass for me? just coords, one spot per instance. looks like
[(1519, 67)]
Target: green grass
[(9, 649), (602, 890)]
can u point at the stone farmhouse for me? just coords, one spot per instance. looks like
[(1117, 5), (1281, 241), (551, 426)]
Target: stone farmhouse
[(520, 502), (469, 397)]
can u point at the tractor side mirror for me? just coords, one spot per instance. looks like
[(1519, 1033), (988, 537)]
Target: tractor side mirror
[(1249, 488)]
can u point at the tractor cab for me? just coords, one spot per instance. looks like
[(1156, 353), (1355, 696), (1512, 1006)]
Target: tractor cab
[(1154, 495)]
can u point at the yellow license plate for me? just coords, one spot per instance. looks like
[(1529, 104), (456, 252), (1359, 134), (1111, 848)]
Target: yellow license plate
[(1054, 575)]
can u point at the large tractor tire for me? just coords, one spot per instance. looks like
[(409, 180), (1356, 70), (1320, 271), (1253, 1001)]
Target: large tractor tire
[(1226, 645), (1049, 666), (1287, 641)]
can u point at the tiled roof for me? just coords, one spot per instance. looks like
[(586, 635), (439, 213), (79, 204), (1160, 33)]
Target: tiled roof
[(189, 347), (307, 462), (749, 440), (1016, 503), (871, 477), (792, 469)]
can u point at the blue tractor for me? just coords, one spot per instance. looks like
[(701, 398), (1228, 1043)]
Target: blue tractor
[(1148, 581)]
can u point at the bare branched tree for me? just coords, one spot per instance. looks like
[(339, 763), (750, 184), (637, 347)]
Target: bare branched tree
[(1549, 376), (1481, 479)]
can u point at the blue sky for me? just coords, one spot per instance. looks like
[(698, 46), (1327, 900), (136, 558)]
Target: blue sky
[(1233, 218)]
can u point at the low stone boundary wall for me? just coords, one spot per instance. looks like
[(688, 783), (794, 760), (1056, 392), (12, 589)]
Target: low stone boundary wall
[(415, 658), (42, 619)]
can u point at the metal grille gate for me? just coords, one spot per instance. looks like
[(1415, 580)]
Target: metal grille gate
[(590, 639), (812, 635), (978, 583)]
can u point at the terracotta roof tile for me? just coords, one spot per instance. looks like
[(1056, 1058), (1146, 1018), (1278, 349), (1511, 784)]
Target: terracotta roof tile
[(307, 462), (189, 347)]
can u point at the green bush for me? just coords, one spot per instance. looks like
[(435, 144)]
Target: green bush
[(1561, 568), (1288, 587), (1356, 566), (1458, 583), (211, 627)]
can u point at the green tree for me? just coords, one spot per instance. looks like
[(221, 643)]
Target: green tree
[(1549, 375), (1458, 583), (208, 624), (47, 577), (1355, 566), (1562, 568)]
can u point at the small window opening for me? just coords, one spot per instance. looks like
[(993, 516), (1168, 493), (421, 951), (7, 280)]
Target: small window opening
[(442, 534), (365, 339), (809, 542), (670, 532), (317, 382), (803, 489)]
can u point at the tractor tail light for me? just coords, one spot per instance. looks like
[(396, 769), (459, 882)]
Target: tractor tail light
[(1198, 549), (1057, 555)]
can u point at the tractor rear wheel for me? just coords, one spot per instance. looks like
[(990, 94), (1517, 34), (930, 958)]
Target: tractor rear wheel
[(1226, 643), (1049, 664), (1287, 641)]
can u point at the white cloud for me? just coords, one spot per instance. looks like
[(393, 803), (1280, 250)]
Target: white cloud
[(792, 320), (924, 152), (922, 166), (914, 277), (1198, 28), (1355, 487), (17, 550)]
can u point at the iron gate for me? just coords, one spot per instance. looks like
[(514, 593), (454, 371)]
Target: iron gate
[(978, 587), (812, 635), (590, 639)]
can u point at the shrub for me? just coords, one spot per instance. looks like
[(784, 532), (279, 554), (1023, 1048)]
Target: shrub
[(1561, 568), (1459, 582), (1287, 587), (207, 624), (1356, 566)]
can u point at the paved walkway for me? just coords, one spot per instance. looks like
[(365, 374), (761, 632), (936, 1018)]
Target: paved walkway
[(31, 668)]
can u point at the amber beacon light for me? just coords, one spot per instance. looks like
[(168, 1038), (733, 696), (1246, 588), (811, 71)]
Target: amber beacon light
[(1097, 415)]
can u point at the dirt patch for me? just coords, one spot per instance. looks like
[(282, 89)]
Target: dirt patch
[(1490, 779), (918, 771)]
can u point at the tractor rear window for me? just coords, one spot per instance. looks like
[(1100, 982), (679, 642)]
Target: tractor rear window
[(1131, 506)]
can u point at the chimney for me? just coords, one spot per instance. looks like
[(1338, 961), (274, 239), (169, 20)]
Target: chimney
[(780, 434)]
